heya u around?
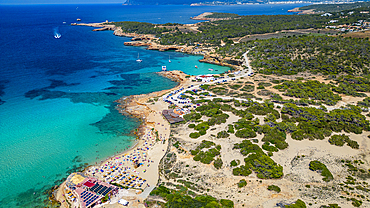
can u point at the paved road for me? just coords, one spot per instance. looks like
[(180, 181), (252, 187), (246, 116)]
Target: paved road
[(174, 97)]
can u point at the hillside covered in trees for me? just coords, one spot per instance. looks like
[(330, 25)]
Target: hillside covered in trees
[(324, 54), (336, 7), (214, 32)]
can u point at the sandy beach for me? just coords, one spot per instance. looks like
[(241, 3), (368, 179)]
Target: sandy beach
[(147, 151)]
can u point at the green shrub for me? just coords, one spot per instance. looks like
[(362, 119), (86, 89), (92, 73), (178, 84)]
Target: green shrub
[(202, 132), (194, 152), (218, 163), (235, 87), (355, 202), (222, 134), (267, 147), (180, 197), (194, 135), (274, 188), (340, 140), (242, 171), (330, 206), (260, 163), (242, 183), (192, 116), (248, 88), (233, 163), (353, 144), (191, 126), (206, 157), (227, 203), (274, 136), (264, 166), (202, 126), (298, 204), (245, 133), (318, 166)]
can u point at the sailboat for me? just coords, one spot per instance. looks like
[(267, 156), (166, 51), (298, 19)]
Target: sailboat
[(169, 59), (138, 58)]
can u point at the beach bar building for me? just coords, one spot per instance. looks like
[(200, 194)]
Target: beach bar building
[(205, 78), (88, 191)]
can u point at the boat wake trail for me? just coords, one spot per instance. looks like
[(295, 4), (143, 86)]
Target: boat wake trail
[(57, 35)]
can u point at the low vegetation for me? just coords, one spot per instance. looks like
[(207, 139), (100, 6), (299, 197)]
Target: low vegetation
[(141, 28), (315, 123), (242, 183), (298, 204), (257, 161), (182, 198), (329, 55), (218, 163), (213, 32), (221, 15), (340, 140), (310, 89), (207, 156), (320, 167), (274, 188)]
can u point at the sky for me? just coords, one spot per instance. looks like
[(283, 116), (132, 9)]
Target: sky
[(59, 1)]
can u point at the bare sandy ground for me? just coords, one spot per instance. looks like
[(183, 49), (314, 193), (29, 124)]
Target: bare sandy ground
[(295, 161)]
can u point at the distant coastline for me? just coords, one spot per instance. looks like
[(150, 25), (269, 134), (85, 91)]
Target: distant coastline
[(236, 3)]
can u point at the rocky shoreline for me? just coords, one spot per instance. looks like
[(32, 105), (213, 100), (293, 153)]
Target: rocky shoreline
[(149, 41)]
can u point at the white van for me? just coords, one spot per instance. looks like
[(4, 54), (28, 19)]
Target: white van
[(123, 202)]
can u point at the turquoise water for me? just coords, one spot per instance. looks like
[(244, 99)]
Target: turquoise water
[(185, 63), (44, 140), (57, 110)]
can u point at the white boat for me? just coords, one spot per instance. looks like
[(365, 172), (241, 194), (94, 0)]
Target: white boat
[(138, 58), (169, 59), (57, 35), (164, 68), (210, 69)]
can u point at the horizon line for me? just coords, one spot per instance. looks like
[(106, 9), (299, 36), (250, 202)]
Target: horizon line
[(59, 3)]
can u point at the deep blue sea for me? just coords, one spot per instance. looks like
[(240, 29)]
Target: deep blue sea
[(57, 110)]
